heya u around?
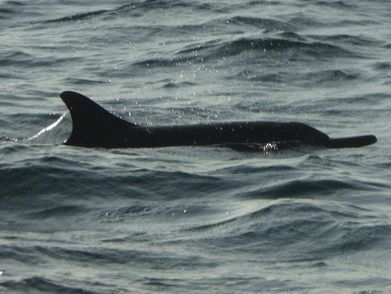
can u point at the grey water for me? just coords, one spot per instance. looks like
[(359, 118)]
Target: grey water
[(195, 219)]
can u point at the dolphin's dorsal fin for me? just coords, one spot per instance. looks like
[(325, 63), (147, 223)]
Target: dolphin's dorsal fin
[(89, 119)]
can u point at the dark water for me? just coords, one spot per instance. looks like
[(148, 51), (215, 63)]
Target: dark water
[(195, 220)]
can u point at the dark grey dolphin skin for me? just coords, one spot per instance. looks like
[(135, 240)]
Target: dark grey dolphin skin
[(93, 126)]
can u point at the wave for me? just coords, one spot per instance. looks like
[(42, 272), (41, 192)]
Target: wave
[(335, 4), (12, 58), (76, 17), (143, 6), (292, 230), (348, 39), (299, 188), (248, 46), (10, 8), (40, 284), (262, 23), (232, 48)]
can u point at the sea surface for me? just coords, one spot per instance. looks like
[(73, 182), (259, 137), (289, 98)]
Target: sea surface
[(195, 219)]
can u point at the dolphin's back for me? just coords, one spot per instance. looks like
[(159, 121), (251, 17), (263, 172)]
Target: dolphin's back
[(93, 126)]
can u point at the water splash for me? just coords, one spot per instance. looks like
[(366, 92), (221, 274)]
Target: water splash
[(48, 128)]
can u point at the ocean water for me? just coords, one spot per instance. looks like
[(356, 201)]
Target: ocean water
[(195, 219)]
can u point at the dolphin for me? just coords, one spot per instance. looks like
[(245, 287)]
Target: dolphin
[(93, 126)]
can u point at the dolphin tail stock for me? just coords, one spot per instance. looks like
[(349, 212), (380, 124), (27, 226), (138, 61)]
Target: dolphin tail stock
[(351, 142), (89, 120)]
